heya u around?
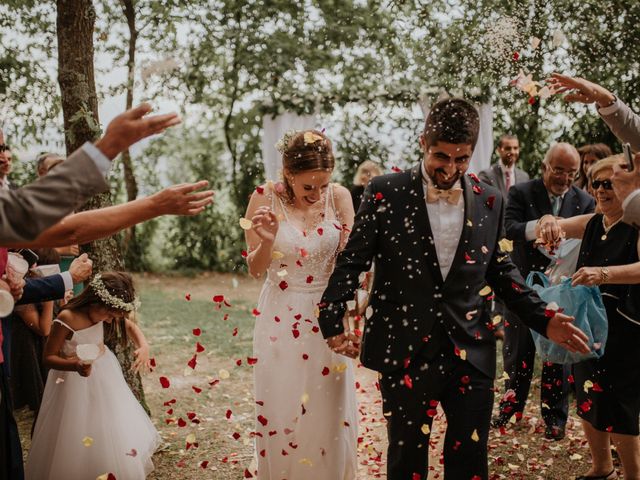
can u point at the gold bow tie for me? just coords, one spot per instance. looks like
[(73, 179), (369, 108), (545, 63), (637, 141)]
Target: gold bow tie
[(452, 195)]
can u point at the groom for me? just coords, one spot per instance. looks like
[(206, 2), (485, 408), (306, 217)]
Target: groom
[(435, 235)]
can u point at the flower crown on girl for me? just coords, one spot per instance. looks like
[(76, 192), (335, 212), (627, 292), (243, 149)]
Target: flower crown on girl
[(111, 300)]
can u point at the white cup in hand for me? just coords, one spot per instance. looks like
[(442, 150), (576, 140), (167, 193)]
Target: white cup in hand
[(6, 303), (17, 267)]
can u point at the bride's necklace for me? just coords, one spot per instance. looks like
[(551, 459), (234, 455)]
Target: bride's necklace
[(607, 229), (299, 214)]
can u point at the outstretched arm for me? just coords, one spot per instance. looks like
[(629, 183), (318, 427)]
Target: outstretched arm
[(142, 361), (85, 227)]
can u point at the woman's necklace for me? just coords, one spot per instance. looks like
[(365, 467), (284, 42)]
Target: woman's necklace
[(607, 229)]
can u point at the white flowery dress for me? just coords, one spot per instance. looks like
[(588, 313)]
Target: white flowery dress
[(306, 424)]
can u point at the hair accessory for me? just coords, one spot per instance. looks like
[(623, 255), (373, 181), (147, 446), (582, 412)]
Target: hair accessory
[(282, 144), (310, 138), (111, 300)]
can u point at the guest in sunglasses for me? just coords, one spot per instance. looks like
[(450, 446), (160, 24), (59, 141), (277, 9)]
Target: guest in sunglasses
[(607, 392)]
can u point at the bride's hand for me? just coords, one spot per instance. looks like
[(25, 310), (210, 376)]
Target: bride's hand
[(265, 224), (347, 344)]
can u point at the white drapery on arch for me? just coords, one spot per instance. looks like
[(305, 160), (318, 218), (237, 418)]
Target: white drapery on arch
[(481, 157), (272, 130)]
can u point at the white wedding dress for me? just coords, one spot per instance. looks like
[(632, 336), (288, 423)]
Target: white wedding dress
[(90, 426), (306, 424)]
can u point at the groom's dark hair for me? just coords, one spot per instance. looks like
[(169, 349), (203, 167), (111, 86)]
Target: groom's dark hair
[(453, 120)]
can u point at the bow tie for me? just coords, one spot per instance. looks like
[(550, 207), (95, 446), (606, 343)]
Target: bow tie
[(452, 196)]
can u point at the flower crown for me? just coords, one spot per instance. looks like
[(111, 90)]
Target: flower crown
[(111, 300), (309, 139)]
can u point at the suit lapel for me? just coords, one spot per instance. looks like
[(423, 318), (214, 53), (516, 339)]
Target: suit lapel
[(469, 205), (541, 198), (569, 207), (423, 225)]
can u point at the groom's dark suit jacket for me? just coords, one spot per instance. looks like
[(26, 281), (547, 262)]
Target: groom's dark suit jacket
[(409, 296)]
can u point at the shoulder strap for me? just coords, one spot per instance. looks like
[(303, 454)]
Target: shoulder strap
[(329, 199), (64, 324)]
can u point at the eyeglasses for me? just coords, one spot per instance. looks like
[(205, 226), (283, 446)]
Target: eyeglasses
[(606, 184), (4, 148), (559, 172)]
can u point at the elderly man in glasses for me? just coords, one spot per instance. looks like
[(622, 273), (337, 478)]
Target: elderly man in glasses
[(553, 194)]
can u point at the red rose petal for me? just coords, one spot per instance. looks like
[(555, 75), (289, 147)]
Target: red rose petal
[(192, 363), (164, 381), (309, 278), (181, 422), (197, 332), (196, 389), (379, 196), (325, 371), (260, 190), (283, 285), (187, 297), (199, 347), (252, 361), (407, 381), (218, 298), (263, 421)]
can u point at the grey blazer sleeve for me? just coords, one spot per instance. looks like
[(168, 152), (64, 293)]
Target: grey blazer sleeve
[(625, 124), (632, 212), (28, 211)]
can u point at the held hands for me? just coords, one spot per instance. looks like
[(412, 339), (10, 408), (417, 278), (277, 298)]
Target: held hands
[(81, 268), (132, 126), (561, 331), (582, 91), (142, 361), (265, 224), (183, 199), (346, 343)]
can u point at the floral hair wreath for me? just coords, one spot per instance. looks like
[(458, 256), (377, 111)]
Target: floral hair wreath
[(111, 300), (309, 139)]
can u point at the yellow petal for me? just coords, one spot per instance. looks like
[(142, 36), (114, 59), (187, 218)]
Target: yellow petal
[(475, 437), (87, 441), (191, 438), (575, 456), (496, 319), (471, 314), (339, 368), (305, 398), (310, 137), (425, 429), (282, 273), (246, 224), (485, 291), (587, 385), (306, 461), (104, 476), (223, 374), (506, 245), (463, 355), (276, 255)]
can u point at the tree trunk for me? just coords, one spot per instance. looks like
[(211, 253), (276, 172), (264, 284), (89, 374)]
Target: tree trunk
[(75, 26), (129, 243)]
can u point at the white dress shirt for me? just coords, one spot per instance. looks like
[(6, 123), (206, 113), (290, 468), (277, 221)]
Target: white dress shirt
[(446, 224)]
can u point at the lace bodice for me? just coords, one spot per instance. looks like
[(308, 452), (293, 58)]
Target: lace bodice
[(307, 257)]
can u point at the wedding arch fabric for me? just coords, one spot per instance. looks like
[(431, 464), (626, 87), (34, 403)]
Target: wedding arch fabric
[(273, 128)]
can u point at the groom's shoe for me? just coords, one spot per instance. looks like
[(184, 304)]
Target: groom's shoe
[(554, 432), (610, 476), (500, 420)]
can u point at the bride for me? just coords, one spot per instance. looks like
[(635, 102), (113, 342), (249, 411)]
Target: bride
[(306, 422)]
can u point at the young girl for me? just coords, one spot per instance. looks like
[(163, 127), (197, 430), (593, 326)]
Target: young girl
[(90, 423)]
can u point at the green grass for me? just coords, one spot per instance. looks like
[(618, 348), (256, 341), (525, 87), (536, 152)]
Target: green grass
[(168, 321)]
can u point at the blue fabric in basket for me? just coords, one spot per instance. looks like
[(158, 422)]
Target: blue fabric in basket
[(582, 302)]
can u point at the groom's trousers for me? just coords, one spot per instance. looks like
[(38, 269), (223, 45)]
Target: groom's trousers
[(410, 397)]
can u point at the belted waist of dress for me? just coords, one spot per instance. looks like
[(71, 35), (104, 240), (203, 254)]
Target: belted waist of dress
[(317, 284)]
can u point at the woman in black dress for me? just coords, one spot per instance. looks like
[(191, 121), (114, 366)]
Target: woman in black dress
[(608, 389)]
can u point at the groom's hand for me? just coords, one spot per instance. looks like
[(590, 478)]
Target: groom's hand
[(561, 331), (347, 344)]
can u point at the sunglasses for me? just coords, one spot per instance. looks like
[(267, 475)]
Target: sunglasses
[(4, 148), (606, 184)]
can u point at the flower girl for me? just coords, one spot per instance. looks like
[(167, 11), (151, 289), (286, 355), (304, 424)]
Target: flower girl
[(90, 424)]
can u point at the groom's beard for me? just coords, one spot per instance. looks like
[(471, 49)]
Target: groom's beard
[(442, 181)]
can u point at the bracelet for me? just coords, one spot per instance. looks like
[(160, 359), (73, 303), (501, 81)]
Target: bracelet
[(604, 275)]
